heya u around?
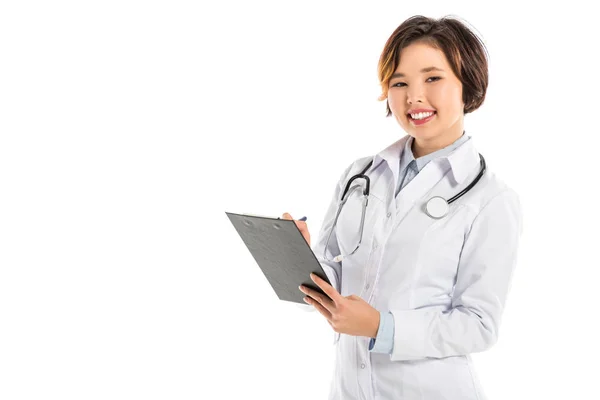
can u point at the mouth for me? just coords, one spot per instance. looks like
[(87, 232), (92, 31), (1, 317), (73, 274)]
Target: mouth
[(421, 118)]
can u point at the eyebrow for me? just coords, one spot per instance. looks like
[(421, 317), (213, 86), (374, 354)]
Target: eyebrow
[(428, 69)]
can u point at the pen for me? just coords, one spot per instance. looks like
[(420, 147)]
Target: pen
[(301, 219)]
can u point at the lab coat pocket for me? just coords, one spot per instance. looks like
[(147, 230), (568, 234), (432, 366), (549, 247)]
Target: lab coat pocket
[(446, 379), (440, 250)]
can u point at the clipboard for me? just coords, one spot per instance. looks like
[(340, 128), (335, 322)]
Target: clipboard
[(281, 252)]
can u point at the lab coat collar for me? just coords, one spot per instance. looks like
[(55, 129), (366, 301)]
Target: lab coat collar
[(391, 154), (461, 160)]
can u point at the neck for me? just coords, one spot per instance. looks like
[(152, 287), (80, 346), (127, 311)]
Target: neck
[(422, 147)]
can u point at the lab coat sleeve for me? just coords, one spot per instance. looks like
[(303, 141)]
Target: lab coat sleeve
[(331, 268), (485, 269)]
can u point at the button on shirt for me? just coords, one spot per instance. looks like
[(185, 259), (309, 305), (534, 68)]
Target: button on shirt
[(409, 168)]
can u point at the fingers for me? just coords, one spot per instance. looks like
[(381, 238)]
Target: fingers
[(327, 288), (317, 298), (319, 307), (302, 227), (300, 224)]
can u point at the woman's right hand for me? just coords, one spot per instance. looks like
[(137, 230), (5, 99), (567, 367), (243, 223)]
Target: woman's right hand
[(301, 226)]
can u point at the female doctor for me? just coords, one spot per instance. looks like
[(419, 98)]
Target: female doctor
[(420, 279)]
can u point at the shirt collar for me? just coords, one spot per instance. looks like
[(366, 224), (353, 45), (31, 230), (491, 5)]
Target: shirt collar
[(424, 160)]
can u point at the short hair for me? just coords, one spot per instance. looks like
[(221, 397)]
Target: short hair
[(464, 51)]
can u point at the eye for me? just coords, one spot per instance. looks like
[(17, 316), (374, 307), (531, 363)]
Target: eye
[(402, 84)]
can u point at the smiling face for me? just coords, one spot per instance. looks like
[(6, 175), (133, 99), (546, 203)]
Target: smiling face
[(425, 81)]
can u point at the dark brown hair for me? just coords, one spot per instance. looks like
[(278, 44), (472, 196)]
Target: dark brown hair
[(464, 51)]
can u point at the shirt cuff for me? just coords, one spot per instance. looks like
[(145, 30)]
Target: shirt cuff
[(384, 342)]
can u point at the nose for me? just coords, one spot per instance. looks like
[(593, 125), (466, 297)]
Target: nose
[(414, 94)]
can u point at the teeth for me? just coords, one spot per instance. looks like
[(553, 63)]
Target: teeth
[(421, 115)]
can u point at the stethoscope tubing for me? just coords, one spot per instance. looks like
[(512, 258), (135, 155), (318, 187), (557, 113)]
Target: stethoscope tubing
[(366, 191)]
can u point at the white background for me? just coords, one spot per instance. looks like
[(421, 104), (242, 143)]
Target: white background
[(129, 128)]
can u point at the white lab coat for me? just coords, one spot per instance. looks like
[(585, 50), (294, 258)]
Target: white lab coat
[(445, 281)]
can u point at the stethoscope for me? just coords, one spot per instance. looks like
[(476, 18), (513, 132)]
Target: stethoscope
[(437, 207)]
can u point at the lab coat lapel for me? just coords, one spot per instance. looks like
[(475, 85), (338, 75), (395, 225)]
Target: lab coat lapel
[(462, 162), (418, 187)]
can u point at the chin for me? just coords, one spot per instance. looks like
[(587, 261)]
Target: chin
[(423, 133), (426, 134)]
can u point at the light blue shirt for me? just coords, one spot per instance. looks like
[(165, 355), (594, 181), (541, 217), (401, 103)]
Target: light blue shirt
[(409, 168)]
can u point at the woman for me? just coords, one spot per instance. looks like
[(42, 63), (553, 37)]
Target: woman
[(427, 285)]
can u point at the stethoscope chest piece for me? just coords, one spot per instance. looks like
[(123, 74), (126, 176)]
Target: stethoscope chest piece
[(437, 207)]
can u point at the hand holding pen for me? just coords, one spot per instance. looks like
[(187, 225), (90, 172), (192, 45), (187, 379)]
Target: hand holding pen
[(301, 224)]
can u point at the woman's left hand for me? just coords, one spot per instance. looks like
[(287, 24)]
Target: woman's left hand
[(350, 315)]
